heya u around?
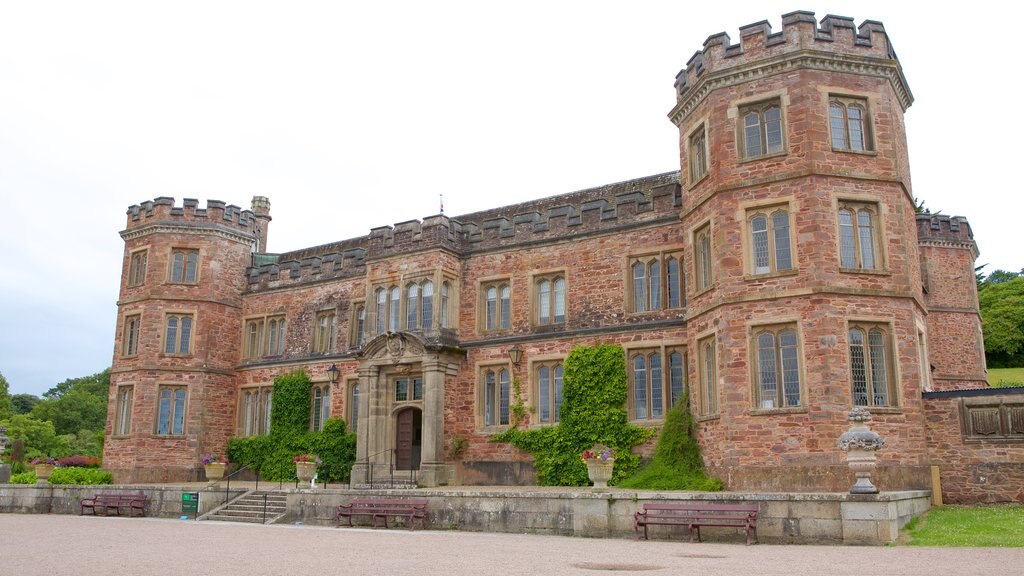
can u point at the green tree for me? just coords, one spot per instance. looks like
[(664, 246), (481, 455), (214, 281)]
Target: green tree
[(23, 403), (5, 398), (39, 436), (1001, 300), (76, 405)]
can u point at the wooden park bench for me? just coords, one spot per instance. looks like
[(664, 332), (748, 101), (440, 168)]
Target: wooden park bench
[(411, 509), (115, 502), (695, 515)]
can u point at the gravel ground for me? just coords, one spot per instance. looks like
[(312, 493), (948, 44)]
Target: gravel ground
[(83, 545)]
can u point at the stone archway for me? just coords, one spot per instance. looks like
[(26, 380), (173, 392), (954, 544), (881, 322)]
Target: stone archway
[(400, 372)]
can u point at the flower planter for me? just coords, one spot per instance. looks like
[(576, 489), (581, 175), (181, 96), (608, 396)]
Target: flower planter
[(305, 471), (215, 471), (43, 472), (600, 471)]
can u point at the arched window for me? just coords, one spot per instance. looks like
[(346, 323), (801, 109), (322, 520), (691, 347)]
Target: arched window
[(393, 309), (762, 129), (427, 305), (382, 314), (870, 367), (496, 397), (848, 123), (769, 242), (445, 303), (412, 306), (550, 299), (549, 392), (858, 236)]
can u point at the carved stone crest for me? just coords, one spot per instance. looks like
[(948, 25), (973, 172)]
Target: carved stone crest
[(396, 345)]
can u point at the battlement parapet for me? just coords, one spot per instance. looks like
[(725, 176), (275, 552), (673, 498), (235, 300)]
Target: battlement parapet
[(162, 210), (944, 230), (290, 270), (837, 38)]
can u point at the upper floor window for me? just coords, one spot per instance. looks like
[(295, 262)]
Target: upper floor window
[(130, 337), (184, 265), (446, 289), (381, 299), (769, 241), (707, 370), (849, 125), (858, 236), (703, 255), (495, 396), (549, 391), (264, 337), (550, 299), (657, 382), (320, 406), (871, 365), (358, 324), (137, 268), (123, 411), (762, 129), (254, 411), (178, 334), (353, 406), (698, 155), (777, 367), (394, 305), (497, 305), (419, 305), (323, 332), (657, 282), (171, 404)]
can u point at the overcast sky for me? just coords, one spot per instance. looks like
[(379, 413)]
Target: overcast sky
[(354, 115)]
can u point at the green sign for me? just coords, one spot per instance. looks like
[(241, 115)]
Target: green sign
[(190, 503)]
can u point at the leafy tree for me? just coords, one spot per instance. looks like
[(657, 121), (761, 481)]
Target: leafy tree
[(76, 404), (39, 436), (23, 403), (1001, 299), (5, 398)]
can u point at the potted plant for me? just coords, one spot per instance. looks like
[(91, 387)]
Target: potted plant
[(600, 460), (44, 466), (215, 466), (305, 466)]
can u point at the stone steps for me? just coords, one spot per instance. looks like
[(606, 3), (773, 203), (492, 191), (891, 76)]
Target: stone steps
[(250, 507)]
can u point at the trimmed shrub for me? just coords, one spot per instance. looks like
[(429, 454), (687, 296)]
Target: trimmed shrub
[(24, 478), (79, 461), (77, 475)]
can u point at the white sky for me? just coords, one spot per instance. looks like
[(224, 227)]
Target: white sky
[(353, 115)]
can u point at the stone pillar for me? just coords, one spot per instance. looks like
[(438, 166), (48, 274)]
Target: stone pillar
[(261, 209), (367, 435), (433, 471)]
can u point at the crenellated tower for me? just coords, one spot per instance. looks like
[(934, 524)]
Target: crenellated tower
[(805, 293), (172, 393)]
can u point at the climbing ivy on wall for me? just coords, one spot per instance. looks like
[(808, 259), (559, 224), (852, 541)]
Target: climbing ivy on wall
[(593, 411), (271, 455)]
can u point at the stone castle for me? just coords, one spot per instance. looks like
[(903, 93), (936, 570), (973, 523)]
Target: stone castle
[(781, 276)]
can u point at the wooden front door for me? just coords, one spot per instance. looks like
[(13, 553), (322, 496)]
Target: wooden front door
[(408, 439)]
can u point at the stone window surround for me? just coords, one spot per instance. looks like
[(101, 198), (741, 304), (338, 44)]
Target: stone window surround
[(662, 256), (184, 249), (699, 134), (864, 101), (260, 420), (481, 394), (775, 325), (707, 391), (262, 323), (173, 387), (768, 207), (317, 345), (763, 100), (844, 200), (483, 284), (535, 278), (124, 400), (130, 338), (663, 348), (534, 365), (892, 366), (402, 283), (136, 277), (194, 314), (703, 280)]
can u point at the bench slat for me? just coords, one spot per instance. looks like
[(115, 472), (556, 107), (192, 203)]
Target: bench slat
[(693, 516)]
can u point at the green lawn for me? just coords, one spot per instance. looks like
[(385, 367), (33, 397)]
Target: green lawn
[(999, 526), (1005, 377)]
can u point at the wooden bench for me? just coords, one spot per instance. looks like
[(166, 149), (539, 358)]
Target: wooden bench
[(115, 502), (411, 509), (695, 515)]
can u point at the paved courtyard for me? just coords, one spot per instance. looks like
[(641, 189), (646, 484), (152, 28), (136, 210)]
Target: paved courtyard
[(55, 544)]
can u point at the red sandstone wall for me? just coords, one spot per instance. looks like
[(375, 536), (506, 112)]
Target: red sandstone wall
[(972, 472)]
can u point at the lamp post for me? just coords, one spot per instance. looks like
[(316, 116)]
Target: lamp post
[(332, 374), (515, 354)]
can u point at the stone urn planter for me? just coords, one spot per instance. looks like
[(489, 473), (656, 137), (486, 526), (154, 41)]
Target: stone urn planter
[(860, 444), (600, 471), (305, 471), (215, 470), (43, 472)]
